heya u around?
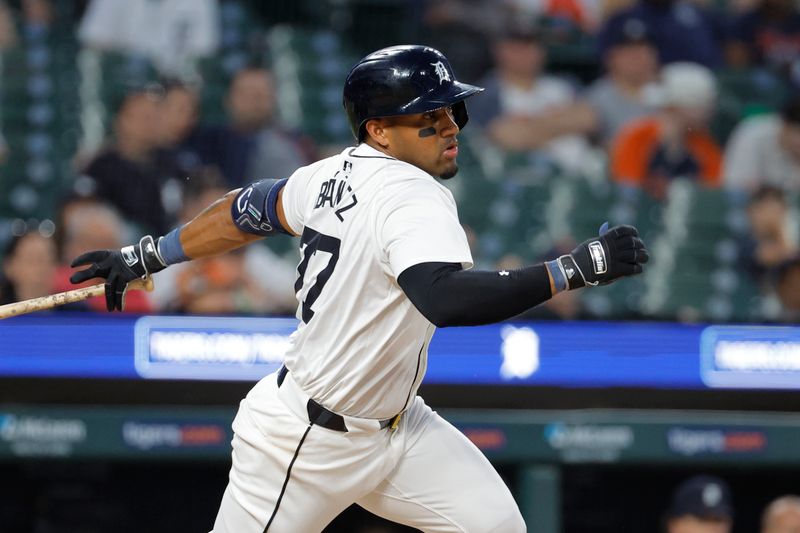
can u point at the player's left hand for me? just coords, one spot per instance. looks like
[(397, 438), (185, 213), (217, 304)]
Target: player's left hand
[(616, 253), (118, 268)]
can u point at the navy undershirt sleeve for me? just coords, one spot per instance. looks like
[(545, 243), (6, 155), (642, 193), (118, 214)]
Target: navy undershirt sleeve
[(447, 295)]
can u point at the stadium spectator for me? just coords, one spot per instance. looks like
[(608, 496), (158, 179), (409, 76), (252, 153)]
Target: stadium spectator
[(674, 142), (765, 150), (252, 145), (86, 224), (178, 119), (29, 263), (773, 239), (701, 504), (680, 30), (129, 174), (626, 91), (224, 285), (525, 110), (766, 35), (461, 29), (172, 34), (8, 32), (782, 515)]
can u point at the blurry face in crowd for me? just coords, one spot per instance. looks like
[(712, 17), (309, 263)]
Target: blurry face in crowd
[(426, 140), (89, 226), (138, 121), (37, 11), (693, 118), (32, 266), (789, 139), (251, 100), (634, 63), (178, 114), (520, 58), (691, 524), (784, 516)]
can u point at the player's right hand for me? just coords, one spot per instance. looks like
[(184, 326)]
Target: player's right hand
[(615, 253), (118, 268)]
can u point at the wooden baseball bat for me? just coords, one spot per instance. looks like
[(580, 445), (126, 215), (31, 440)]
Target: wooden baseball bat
[(62, 298)]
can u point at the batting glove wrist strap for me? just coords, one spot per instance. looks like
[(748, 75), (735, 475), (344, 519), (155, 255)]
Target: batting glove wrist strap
[(569, 274)]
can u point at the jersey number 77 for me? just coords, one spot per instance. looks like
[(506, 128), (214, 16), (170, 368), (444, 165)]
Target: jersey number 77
[(312, 242)]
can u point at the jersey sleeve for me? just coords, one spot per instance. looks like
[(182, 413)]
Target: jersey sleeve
[(293, 198), (420, 225)]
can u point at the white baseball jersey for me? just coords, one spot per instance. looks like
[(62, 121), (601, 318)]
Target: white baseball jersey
[(365, 217)]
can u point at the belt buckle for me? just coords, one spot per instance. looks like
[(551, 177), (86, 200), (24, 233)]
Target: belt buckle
[(396, 421)]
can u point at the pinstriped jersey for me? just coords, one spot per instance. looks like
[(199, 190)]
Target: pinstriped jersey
[(364, 217)]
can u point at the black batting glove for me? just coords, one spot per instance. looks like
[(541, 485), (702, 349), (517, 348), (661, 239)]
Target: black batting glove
[(119, 267), (616, 253)]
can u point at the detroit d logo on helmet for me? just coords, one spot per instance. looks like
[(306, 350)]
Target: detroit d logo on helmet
[(441, 71)]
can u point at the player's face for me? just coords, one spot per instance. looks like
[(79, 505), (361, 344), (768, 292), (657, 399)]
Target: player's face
[(426, 140)]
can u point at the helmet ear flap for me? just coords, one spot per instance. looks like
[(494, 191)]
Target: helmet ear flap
[(460, 115)]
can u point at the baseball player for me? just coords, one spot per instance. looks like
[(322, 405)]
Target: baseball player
[(384, 261)]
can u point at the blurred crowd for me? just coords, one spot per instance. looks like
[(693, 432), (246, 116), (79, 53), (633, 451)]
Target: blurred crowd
[(704, 504), (643, 118)]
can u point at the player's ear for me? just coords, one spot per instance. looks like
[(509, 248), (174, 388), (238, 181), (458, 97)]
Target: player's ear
[(376, 130)]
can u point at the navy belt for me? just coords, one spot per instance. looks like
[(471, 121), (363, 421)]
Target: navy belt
[(321, 416)]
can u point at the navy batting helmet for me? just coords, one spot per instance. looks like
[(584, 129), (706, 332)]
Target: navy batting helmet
[(403, 80)]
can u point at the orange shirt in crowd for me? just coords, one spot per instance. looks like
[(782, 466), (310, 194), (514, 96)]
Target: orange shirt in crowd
[(635, 148)]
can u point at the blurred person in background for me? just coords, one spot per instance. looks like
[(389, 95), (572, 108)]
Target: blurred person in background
[(773, 238), (8, 31), (566, 15), (765, 150), (461, 30), (625, 92), (129, 174), (252, 145), (782, 515), (674, 142), (680, 30), (525, 110), (86, 224), (223, 284), (29, 264), (768, 35), (178, 126), (172, 34), (701, 504)]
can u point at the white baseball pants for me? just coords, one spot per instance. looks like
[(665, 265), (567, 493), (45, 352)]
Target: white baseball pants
[(289, 476)]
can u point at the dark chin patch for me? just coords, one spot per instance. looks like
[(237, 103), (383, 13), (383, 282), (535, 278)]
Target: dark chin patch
[(449, 173), (427, 132)]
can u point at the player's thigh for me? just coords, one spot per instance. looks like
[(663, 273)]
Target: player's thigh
[(293, 476), (443, 483), (284, 472), (261, 490)]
